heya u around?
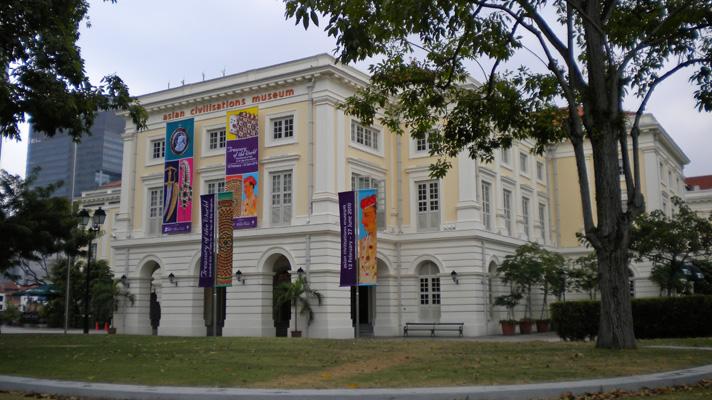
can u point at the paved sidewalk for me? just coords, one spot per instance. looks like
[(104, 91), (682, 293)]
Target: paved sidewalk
[(498, 392), (19, 330)]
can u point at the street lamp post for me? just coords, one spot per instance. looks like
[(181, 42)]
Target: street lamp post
[(96, 221)]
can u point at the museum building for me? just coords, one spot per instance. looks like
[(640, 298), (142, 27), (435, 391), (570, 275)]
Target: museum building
[(439, 240)]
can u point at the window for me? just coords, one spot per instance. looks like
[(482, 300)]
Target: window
[(525, 216), (216, 139), (507, 204), (524, 163), (428, 205), (486, 205), (670, 179), (429, 292), (158, 148), (282, 128), (505, 156), (540, 170), (215, 186), (365, 136), (422, 144), (631, 283), (542, 222), (155, 211), (662, 169), (665, 204), (359, 182), (281, 197)]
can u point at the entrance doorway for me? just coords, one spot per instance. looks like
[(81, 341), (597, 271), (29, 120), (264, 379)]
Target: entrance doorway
[(365, 309), (281, 314)]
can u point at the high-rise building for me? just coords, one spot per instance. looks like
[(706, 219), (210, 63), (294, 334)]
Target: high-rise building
[(98, 156)]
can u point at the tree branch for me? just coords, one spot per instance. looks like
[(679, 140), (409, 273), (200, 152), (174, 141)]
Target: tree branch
[(649, 40)]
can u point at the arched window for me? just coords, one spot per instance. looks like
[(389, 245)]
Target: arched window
[(631, 283), (429, 282), (492, 285)]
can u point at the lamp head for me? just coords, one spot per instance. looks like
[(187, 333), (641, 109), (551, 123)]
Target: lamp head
[(83, 217), (99, 217)]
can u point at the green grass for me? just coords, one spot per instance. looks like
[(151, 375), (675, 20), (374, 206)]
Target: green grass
[(313, 363)]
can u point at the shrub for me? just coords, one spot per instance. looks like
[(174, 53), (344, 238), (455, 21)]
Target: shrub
[(11, 315), (576, 320), (658, 317)]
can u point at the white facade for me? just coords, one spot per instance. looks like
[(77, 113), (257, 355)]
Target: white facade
[(471, 220)]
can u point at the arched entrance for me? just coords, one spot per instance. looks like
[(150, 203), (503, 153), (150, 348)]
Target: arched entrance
[(151, 294), (366, 303), (281, 314)]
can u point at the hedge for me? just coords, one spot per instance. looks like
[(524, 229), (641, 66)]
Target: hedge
[(658, 317)]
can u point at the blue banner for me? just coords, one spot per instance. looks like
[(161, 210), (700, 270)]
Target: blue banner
[(207, 240)]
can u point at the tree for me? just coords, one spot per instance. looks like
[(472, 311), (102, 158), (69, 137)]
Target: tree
[(672, 244), (43, 71), (530, 266), (34, 225), (298, 294), (593, 54), (584, 275), (101, 305)]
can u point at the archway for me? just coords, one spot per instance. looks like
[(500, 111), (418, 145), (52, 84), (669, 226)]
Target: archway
[(151, 295), (367, 305), (281, 314), (495, 288)]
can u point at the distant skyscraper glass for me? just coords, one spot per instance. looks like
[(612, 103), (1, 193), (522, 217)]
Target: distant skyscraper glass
[(99, 156)]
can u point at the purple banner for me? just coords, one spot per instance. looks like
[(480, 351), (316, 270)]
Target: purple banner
[(207, 240), (347, 205), (241, 156)]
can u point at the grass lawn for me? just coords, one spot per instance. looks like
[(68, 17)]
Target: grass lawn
[(315, 363)]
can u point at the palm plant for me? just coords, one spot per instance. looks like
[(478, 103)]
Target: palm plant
[(298, 294), (106, 296)]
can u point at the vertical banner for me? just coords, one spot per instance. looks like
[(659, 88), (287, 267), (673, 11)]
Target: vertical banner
[(347, 212), (366, 221), (224, 264), (241, 165), (207, 240), (178, 177)]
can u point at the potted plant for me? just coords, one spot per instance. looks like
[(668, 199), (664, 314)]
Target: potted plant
[(298, 294), (523, 270), (509, 325)]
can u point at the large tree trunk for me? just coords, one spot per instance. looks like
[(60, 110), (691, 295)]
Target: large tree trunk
[(615, 329), (612, 241)]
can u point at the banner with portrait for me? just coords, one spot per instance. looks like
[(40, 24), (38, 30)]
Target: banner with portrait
[(225, 240), (242, 164), (178, 177), (359, 242), (207, 240)]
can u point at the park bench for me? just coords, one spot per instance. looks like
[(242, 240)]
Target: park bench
[(433, 327)]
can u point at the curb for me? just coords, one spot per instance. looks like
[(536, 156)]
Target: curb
[(493, 392)]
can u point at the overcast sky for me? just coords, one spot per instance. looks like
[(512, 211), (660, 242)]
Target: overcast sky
[(153, 43)]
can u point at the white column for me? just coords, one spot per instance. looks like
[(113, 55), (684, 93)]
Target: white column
[(469, 213), (652, 178), (124, 225), (333, 318), (136, 317), (182, 308), (249, 307), (325, 198)]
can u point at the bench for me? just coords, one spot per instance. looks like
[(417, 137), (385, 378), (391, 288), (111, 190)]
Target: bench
[(432, 327)]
